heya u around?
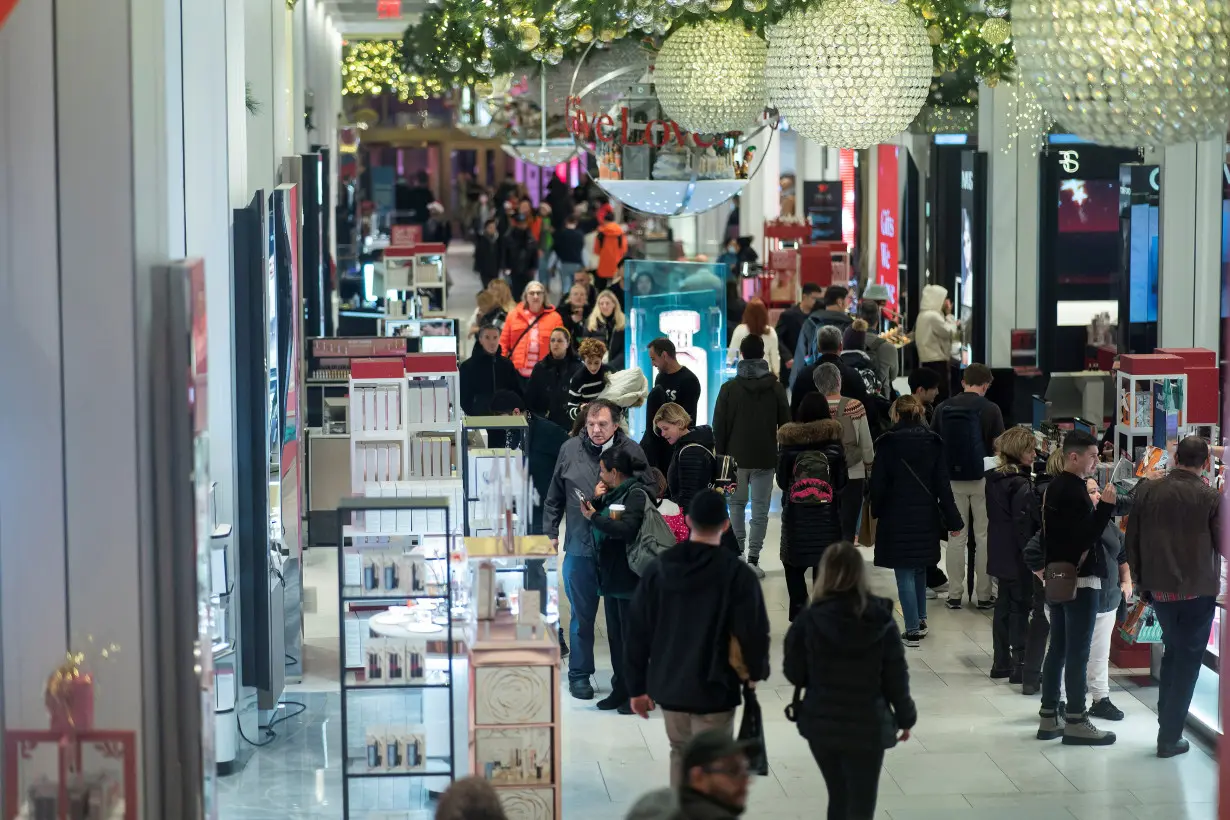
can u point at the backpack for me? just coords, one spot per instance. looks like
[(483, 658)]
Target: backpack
[(861, 363), (725, 478), (961, 429), (652, 539), (812, 480)]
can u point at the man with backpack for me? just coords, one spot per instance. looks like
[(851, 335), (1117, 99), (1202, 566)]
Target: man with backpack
[(833, 311), (742, 429), (828, 342), (695, 605), (969, 424)]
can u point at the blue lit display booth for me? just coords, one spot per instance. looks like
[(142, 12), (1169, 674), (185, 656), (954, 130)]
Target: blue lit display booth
[(686, 302)]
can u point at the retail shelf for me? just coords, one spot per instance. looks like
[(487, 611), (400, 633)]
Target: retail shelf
[(378, 435), (426, 773), (375, 599), (351, 683)]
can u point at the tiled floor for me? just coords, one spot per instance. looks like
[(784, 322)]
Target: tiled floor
[(973, 755)]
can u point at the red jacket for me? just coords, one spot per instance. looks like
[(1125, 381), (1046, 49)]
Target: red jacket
[(516, 335)]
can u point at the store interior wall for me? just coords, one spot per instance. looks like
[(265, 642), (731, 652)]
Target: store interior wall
[(1189, 242)]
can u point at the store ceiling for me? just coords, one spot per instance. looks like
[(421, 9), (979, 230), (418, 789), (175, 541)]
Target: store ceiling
[(358, 18)]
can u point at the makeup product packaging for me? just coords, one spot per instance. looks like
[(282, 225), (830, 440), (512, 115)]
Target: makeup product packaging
[(393, 749), (394, 660), (414, 747), (375, 747), (371, 571), (389, 572), (395, 462), (369, 409), (441, 399), (416, 661), (485, 594), (395, 408), (388, 518), (405, 520), (376, 656), (382, 409), (414, 403)]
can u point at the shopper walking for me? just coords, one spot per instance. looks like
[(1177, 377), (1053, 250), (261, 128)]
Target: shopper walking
[(969, 424), (487, 258), (575, 311), (1173, 537), (714, 782), (1071, 531), (610, 246), (912, 501), (679, 384), (1039, 631), (845, 653), (485, 373), (616, 515), (746, 416), (813, 476), (519, 252), (855, 438), (933, 336), (569, 249), (588, 380), (1012, 519), (606, 322), (526, 338), (830, 348), (790, 326), (756, 323), (692, 604), (576, 476), (547, 389), (883, 353), (833, 312)]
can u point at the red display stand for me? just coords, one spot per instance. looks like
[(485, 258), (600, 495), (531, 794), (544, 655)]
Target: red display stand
[(21, 745)]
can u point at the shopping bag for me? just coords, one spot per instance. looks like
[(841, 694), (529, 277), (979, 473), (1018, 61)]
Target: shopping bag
[(867, 526), (1140, 625), (751, 731)]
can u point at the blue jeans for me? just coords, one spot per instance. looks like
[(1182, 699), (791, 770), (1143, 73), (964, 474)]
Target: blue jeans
[(1068, 655), (1185, 635), (581, 587), (912, 590)]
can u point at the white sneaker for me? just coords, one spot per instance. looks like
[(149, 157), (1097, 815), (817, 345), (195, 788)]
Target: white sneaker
[(756, 569)]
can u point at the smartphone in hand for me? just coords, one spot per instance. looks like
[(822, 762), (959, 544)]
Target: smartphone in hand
[(580, 496)]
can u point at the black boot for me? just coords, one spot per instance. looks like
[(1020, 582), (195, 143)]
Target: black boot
[(1018, 668)]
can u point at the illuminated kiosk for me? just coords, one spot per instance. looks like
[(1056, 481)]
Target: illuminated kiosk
[(686, 302)]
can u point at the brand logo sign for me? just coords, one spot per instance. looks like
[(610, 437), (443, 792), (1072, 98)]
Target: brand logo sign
[(1069, 161), (604, 128)]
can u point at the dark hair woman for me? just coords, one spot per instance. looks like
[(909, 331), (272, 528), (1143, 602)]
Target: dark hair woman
[(811, 503), (912, 499), (845, 652), (616, 517), (547, 389)]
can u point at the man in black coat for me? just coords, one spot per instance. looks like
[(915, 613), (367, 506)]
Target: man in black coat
[(519, 255), (693, 602), (829, 345), (790, 325), (412, 202), (484, 373), (488, 254)]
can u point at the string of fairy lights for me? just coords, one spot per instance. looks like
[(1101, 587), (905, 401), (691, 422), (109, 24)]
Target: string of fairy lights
[(461, 42)]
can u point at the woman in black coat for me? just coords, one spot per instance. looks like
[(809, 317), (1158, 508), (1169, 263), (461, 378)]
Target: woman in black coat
[(808, 528), (1012, 519), (845, 652), (912, 500), (606, 323), (692, 459), (618, 470), (547, 390)]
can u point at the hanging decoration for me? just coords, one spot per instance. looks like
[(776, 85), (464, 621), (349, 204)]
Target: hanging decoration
[(372, 67), (849, 73), (639, 155), (536, 128), (1030, 122), (1137, 74), (709, 76)]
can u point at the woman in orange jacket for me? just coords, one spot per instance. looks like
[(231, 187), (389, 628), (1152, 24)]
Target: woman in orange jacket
[(610, 247), (526, 337)]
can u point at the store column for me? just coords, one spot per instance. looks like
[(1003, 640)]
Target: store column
[(761, 197), (1189, 244)]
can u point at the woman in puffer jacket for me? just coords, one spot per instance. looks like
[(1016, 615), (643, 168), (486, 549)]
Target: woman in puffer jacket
[(691, 467), (809, 523)]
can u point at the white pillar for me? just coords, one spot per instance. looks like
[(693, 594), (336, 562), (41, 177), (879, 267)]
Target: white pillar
[(761, 197), (259, 60), (1189, 244)]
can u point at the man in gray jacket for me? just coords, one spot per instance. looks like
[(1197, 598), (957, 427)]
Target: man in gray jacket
[(882, 352), (576, 476)]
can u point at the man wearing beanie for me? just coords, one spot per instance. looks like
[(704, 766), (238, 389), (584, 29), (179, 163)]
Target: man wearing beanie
[(695, 604)]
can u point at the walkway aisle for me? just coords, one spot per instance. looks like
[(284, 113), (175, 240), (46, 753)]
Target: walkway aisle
[(973, 754)]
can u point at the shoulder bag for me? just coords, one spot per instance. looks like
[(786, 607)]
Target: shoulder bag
[(528, 328), (926, 489), (1059, 577)]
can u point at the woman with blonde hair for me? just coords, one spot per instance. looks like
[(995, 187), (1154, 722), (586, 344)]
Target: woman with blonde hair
[(1012, 519), (691, 465), (845, 653), (503, 304), (756, 323), (912, 499), (606, 323)]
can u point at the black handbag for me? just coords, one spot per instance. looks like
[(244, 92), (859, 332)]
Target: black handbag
[(751, 730)]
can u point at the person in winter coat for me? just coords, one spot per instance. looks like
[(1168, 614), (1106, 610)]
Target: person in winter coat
[(756, 323), (832, 311), (912, 500), (809, 525), (487, 254), (882, 352), (933, 336), (622, 475), (576, 472), (855, 438), (610, 246), (1012, 519), (519, 254), (828, 344), (484, 373), (606, 322), (845, 652), (526, 337), (692, 459), (504, 305), (574, 312), (790, 326), (742, 429), (588, 380), (693, 602), (547, 390), (1039, 630)]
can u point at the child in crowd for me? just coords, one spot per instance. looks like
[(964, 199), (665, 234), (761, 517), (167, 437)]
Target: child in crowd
[(589, 380)]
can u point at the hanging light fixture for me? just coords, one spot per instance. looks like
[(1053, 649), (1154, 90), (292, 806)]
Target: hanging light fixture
[(710, 76)]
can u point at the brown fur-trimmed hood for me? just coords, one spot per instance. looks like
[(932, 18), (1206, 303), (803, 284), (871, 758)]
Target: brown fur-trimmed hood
[(812, 432)]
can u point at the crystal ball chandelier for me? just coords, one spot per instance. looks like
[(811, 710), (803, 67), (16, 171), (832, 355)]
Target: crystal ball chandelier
[(849, 73), (1129, 73), (710, 76)]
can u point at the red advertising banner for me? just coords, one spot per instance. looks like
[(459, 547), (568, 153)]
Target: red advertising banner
[(887, 205)]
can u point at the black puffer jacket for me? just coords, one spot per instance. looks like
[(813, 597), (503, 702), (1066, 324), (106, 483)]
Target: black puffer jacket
[(807, 530), (615, 577), (1012, 519), (481, 376), (911, 497), (691, 467), (547, 390), (852, 667)]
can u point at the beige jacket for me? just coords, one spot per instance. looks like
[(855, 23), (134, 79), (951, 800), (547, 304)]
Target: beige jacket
[(933, 336)]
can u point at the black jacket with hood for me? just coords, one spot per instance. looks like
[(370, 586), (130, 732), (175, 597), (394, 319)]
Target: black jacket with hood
[(911, 497), (741, 415), (1012, 519), (691, 467), (481, 376), (547, 390), (851, 666), (690, 602), (807, 530)]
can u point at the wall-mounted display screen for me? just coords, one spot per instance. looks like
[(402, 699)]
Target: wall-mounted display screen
[(1087, 240)]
